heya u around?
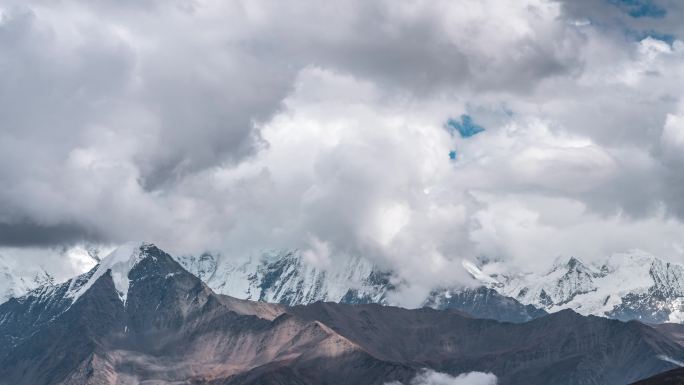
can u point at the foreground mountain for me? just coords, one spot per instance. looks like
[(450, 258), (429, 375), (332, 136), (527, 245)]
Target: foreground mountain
[(140, 317), (671, 377), (287, 278)]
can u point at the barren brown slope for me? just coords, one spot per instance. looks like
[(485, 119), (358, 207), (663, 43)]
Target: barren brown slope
[(562, 348)]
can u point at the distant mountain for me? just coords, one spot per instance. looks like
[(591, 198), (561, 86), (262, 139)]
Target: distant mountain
[(140, 317), (14, 283), (484, 302), (626, 286), (287, 278)]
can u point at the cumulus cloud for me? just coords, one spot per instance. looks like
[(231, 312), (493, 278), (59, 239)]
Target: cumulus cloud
[(431, 377), (248, 125)]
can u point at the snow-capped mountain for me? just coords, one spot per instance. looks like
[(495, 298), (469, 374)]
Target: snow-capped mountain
[(287, 278), (15, 283), (42, 304), (626, 286), (140, 317)]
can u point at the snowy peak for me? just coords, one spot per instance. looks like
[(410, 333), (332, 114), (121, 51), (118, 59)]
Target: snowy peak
[(15, 283), (286, 277), (120, 262), (633, 285)]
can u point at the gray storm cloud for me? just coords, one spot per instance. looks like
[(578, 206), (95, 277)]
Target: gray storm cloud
[(241, 126)]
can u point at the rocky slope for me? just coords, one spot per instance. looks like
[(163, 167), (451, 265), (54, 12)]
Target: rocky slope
[(140, 317), (671, 377)]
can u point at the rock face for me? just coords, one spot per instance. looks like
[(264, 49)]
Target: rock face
[(140, 317)]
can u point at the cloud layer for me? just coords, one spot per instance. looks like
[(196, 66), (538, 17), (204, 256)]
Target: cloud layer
[(241, 126)]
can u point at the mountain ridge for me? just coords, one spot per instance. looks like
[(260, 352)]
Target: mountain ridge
[(626, 286)]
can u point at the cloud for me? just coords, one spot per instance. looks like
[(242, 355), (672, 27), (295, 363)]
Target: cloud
[(242, 126), (108, 106), (430, 377)]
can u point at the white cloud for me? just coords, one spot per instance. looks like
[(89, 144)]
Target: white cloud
[(431, 377), (241, 126), (673, 132)]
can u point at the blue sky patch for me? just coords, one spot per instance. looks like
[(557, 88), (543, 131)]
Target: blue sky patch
[(641, 8), (452, 155), (641, 35), (666, 37), (465, 127)]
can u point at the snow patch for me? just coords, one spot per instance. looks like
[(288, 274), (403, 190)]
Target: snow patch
[(670, 360), (476, 273), (120, 262)]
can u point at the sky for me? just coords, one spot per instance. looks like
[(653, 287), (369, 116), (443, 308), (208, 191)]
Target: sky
[(416, 134)]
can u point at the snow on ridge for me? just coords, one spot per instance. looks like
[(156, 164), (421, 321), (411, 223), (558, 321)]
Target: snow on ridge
[(598, 288), (479, 275), (120, 262), (16, 282), (283, 276)]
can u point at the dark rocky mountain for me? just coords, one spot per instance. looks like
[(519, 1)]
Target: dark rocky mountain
[(140, 317), (671, 377), (483, 302)]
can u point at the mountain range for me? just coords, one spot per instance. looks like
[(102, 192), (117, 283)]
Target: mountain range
[(629, 286), (140, 317), (626, 286)]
